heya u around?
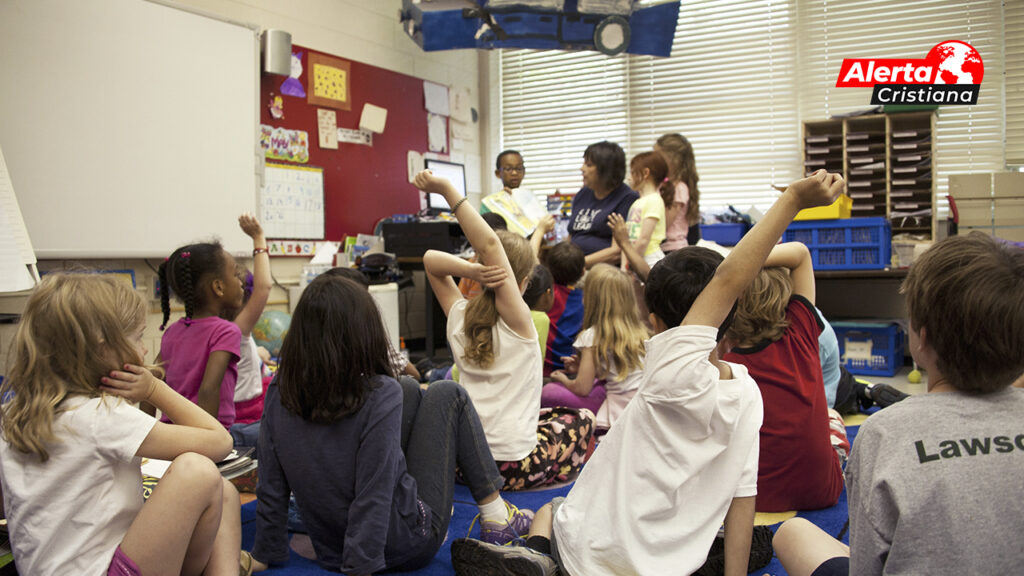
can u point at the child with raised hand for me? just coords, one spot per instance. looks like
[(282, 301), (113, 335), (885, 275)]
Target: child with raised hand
[(934, 480), (249, 385), (611, 345), (494, 344), (371, 460), (646, 220), (775, 335), (73, 443), (200, 351), (682, 458)]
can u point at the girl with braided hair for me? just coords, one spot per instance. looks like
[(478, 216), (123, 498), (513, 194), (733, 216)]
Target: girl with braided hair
[(200, 351)]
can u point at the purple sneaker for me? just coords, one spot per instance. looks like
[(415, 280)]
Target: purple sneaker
[(516, 527)]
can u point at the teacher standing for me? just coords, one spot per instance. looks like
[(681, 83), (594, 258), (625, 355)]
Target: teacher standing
[(604, 191)]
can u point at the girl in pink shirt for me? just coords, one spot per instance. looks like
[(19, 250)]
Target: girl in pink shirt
[(682, 207), (200, 351)]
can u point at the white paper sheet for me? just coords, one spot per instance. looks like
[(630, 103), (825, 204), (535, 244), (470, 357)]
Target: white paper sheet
[(17, 259), (373, 118), (435, 98), (437, 133)]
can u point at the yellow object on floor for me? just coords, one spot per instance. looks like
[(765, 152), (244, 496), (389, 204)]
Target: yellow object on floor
[(769, 518)]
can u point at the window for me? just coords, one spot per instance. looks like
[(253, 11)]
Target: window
[(742, 77)]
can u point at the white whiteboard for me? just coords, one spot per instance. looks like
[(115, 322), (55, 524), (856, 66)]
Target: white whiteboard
[(293, 202), (129, 127)]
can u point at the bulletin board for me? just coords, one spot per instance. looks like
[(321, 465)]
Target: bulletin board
[(362, 183), (292, 202)]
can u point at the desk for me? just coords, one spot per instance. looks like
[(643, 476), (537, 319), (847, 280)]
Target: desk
[(433, 317)]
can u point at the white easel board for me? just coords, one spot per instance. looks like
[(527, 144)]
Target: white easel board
[(292, 202)]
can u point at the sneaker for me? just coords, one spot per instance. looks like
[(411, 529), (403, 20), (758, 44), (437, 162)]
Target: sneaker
[(885, 395), (475, 558), (516, 527)]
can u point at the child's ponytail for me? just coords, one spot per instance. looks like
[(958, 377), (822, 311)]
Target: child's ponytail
[(183, 271), (667, 190)]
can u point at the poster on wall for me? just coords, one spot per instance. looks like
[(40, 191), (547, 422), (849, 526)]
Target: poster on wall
[(330, 80), (284, 144)]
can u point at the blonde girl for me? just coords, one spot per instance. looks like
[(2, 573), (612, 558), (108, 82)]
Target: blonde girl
[(611, 345), (73, 443), (494, 343), (682, 203), (646, 219)]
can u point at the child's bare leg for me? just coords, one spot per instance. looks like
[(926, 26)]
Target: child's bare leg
[(802, 547), (542, 521), (175, 531), (223, 558)]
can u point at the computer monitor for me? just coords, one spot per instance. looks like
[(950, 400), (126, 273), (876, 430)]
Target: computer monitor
[(454, 173)]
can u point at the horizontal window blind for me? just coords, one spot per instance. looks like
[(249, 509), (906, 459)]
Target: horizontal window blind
[(968, 138), (1013, 35), (744, 74)]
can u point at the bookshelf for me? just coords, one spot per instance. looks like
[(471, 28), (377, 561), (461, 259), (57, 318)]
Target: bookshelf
[(888, 162)]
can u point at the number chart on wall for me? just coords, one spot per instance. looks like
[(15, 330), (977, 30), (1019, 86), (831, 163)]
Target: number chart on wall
[(293, 202)]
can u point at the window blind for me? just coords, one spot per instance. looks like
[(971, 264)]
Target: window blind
[(742, 77), (968, 138), (1013, 35)]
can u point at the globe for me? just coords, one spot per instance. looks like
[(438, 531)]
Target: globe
[(958, 63), (271, 329)]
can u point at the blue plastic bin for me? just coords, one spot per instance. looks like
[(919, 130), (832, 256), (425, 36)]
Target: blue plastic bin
[(847, 244), (870, 348), (724, 233)]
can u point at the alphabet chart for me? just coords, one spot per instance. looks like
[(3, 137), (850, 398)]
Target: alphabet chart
[(293, 202)]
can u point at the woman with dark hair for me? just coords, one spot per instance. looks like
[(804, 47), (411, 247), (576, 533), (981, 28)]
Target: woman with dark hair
[(370, 460), (604, 192)]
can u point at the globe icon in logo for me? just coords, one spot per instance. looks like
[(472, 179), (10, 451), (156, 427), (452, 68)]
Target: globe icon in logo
[(956, 63)]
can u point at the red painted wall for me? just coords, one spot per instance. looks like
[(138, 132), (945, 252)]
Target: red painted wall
[(362, 184)]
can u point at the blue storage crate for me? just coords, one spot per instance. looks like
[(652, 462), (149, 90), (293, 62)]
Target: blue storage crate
[(846, 244), (870, 348), (724, 233)]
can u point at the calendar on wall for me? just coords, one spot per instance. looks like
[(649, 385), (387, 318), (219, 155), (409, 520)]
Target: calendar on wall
[(292, 202)]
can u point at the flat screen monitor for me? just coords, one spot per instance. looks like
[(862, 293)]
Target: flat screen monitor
[(454, 173)]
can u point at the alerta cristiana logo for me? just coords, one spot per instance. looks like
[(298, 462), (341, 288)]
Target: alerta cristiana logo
[(950, 74)]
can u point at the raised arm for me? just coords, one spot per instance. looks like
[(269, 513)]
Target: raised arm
[(620, 235), (489, 252), (745, 261), (261, 279), (442, 266), (546, 224), (795, 257)]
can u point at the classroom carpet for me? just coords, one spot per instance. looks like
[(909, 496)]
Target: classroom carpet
[(832, 520)]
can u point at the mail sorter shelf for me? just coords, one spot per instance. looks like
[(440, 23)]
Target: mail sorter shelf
[(888, 162)]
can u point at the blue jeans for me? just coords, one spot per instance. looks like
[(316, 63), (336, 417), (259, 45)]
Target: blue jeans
[(441, 429)]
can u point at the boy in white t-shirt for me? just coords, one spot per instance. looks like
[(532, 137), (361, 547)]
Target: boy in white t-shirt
[(683, 456)]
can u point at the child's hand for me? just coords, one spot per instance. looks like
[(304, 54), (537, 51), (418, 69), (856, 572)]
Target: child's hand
[(571, 363), (134, 383), (250, 225), (560, 377), (489, 276), (427, 182), (546, 224), (818, 189), (620, 232)]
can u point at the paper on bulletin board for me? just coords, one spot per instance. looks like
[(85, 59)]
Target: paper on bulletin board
[(284, 144), (435, 98), (459, 104), (327, 125), (413, 163), (461, 130), (373, 118), (349, 136), (437, 133)]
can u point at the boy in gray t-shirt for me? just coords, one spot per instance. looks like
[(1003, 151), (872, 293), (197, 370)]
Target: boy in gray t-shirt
[(934, 482)]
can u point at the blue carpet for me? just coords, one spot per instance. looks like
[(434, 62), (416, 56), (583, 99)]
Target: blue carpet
[(830, 519)]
